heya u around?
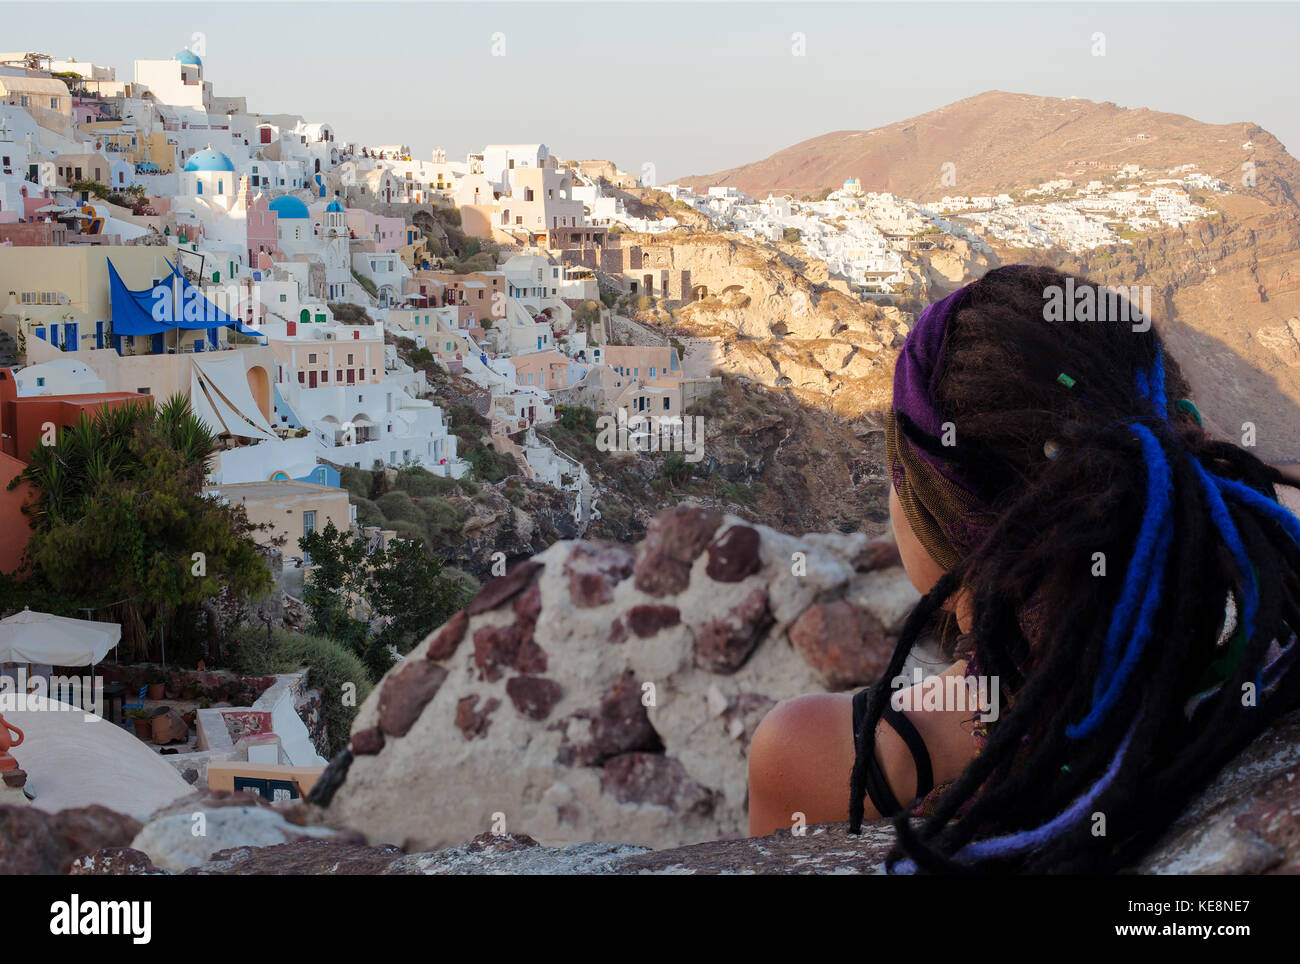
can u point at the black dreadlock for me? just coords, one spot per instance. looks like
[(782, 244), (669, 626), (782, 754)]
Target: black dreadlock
[(1124, 693)]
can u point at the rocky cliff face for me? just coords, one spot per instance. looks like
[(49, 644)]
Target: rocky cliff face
[(516, 519), (1227, 300), (1227, 290), (775, 324)]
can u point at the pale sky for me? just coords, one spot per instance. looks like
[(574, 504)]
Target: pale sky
[(691, 88)]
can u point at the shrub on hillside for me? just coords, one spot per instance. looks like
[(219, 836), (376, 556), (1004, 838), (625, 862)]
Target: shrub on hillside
[(488, 464), (443, 521), (368, 514), (356, 481), (420, 482), (398, 505), (466, 420), (350, 314), (330, 667)]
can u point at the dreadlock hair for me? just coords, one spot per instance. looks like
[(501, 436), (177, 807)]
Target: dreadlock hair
[(1128, 678)]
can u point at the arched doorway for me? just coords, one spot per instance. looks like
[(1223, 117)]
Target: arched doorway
[(259, 383)]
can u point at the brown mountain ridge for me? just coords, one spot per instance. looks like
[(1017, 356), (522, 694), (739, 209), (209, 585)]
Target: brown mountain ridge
[(1000, 141)]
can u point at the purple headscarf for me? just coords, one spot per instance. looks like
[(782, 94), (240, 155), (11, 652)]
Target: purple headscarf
[(943, 506)]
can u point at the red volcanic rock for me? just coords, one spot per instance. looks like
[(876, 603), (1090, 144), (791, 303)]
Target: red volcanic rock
[(368, 742), (533, 696), (673, 541), (531, 658), (445, 643), (474, 722), (645, 621), (594, 569), (656, 779), (406, 693), (528, 606), (878, 554), (499, 647), (620, 725), (35, 842), (845, 645), (734, 556), (495, 647), (723, 645), (114, 862), (503, 588)]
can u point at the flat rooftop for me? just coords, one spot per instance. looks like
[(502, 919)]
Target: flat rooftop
[(273, 490)]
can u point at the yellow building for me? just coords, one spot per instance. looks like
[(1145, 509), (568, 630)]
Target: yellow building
[(291, 509), (36, 94)]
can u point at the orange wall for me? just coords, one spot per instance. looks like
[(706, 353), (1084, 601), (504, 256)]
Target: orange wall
[(15, 528), (24, 418), (221, 774)]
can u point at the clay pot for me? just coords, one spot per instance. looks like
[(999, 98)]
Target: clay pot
[(156, 690), (143, 729), (168, 727), (6, 741)]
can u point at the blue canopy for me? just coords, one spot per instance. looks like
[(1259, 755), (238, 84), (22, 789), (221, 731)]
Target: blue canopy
[(210, 315), (133, 310), (166, 306)]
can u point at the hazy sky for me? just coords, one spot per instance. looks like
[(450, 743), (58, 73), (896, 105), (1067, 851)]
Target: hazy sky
[(689, 87)]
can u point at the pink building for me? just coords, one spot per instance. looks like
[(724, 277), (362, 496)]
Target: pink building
[(389, 234), (542, 369), (34, 199), (262, 225), (327, 353)]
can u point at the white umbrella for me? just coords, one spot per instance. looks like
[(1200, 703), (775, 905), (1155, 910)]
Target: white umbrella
[(29, 637)]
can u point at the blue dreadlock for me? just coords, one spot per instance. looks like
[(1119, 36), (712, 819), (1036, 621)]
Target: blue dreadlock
[(1144, 578), (1121, 698)]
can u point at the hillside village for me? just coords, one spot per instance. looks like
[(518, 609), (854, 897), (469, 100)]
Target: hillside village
[(865, 237), (302, 284)]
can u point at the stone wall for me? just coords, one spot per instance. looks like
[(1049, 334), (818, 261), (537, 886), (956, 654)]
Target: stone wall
[(1246, 822), (601, 693)]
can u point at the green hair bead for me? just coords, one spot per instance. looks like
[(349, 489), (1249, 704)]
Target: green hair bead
[(1185, 405)]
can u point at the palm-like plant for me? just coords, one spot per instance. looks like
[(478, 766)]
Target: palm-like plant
[(120, 511), (97, 450), (186, 431)]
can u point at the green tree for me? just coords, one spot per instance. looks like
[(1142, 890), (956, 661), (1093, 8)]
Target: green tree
[(371, 600), (121, 523), (93, 187), (677, 470), (410, 591), (587, 314), (337, 587)]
